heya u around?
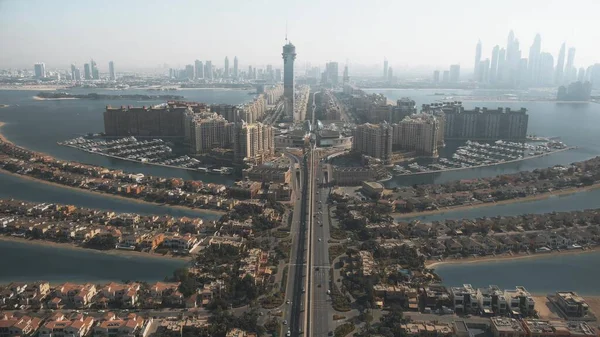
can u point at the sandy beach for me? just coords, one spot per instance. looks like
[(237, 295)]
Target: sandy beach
[(536, 197), (77, 248), (507, 257)]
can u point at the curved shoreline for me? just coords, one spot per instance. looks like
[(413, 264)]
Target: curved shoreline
[(200, 210), (487, 165), (113, 252), (542, 196), (507, 258)]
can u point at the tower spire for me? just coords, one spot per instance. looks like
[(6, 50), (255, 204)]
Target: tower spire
[(285, 31)]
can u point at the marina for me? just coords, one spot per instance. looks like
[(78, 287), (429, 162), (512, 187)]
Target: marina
[(474, 155), (151, 151)]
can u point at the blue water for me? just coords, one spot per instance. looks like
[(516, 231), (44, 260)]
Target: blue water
[(28, 262), (38, 125), (540, 275)]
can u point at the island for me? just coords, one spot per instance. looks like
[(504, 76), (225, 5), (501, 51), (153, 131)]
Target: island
[(95, 96)]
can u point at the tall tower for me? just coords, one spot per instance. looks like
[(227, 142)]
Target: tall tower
[(494, 65), (560, 66), (534, 60), (111, 71), (477, 60), (570, 73), (289, 55), (385, 68), (226, 67), (235, 67)]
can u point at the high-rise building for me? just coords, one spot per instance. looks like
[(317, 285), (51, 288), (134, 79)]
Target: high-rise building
[(158, 121), (226, 66), (198, 69), (73, 68), (484, 71), (546, 69), (484, 124), (207, 131), (94, 68), (208, 70), (346, 77), (454, 73), (501, 65), (534, 61), (253, 142), (331, 73), (385, 68), (277, 75), (111, 71), (289, 55), (436, 76), (419, 133), (446, 76), (39, 70), (87, 73), (235, 67), (373, 140), (494, 64), (570, 70), (581, 74), (477, 61), (560, 66), (390, 74), (189, 71)]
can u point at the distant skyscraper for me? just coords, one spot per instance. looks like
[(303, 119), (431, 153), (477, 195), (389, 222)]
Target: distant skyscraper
[(346, 77), (40, 70), (483, 71), (501, 65), (560, 66), (94, 68), (249, 73), (277, 75), (189, 71), (454, 73), (235, 67), (390, 74), (87, 73), (208, 70), (546, 76), (581, 74), (111, 71), (199, 69), (385, 68), (477, 60), (570, 68), (332, 73), (226, 66), (494, 64), (436, 76), (534, 60), (445, 76), (289, 55), (73, 68)]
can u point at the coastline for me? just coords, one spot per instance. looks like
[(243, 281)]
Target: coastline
[(115, 252), (536, 197), (37, 98), (505, 257), (488, 165), (36, 88), (203, 210)]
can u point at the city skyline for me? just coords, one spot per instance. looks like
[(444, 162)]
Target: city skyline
[(24, 47)]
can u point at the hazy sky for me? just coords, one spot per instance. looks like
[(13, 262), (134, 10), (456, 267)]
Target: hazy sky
[(409, 33)]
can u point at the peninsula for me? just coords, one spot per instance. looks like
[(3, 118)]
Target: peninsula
[(138, 97)]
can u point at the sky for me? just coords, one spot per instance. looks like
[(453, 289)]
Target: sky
[(410, 34)]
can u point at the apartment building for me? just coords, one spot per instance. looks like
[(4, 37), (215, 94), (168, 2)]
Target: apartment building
[(418, 133), (207, 131), (159, 121), (373, 140), (253, 142), (543, 328)]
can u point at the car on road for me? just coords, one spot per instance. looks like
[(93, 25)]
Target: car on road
[(289, 333), (285, 322), (328, 292), (317, 268), (319, 239), (287, 302), (303, 290)]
